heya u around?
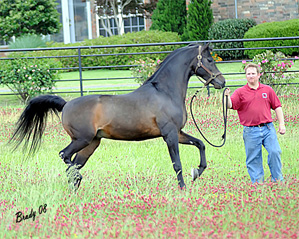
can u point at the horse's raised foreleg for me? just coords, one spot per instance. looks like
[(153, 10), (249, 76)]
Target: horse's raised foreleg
[(187, 139), (170, 136)]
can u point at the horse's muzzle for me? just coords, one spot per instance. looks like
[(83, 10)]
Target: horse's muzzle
[(219, 82)]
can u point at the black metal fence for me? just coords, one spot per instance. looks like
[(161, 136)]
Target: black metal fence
[(80, 68)]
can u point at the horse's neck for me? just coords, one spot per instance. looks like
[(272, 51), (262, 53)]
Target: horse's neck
[(175, 83)]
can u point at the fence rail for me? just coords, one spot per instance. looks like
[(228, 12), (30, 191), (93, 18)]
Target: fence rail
[(80, 68)]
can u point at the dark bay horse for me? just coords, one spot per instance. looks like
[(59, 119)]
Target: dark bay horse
[(155, 109)]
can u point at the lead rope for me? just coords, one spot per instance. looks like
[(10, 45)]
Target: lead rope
[(224, 118)]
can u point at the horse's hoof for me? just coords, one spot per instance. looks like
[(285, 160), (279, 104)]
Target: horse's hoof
[(194, 173), (74, 177), (77, 182)]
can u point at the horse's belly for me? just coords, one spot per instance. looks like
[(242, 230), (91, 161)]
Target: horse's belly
[(129, 131)]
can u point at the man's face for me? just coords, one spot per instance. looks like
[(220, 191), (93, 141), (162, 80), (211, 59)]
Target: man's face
[(252, 76)]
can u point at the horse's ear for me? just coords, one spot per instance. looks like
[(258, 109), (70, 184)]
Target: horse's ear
[(209, 47), (205, 47)]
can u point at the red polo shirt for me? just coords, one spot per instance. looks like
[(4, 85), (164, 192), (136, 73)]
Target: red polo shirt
[(254, 106)]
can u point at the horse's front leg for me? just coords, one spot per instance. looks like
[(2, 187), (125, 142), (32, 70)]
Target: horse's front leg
[(187, 139), (170, 136)]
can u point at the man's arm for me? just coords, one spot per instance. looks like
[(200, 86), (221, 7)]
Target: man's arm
[(279, 115)]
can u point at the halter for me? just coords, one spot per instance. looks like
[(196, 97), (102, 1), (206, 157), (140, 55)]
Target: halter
[(212, 77), (199, 64)]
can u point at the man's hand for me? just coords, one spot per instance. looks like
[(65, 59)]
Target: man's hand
[(280, 118), (282, 129), (227, 92)]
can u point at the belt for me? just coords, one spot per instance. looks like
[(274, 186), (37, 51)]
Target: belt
[(260, 125)]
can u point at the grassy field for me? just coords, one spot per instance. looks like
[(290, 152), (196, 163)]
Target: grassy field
[(129, 189)]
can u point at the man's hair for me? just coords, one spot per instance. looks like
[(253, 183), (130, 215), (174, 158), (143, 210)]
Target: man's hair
[(253, 65)]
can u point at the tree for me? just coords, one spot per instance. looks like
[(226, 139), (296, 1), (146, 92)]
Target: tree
[(170, 16), (199, 20), (116, 9), (18, 17)]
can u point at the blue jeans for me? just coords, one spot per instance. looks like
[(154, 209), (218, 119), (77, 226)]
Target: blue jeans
[(254, 138)]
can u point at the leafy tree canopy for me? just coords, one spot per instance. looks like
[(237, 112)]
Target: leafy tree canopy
[(19, 17)]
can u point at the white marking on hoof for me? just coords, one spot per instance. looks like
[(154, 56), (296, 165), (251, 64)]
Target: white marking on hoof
[(61, 154)]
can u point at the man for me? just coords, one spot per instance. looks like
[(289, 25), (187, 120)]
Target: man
[(253, 103)]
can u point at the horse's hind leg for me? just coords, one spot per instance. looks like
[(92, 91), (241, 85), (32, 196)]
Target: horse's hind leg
[(83, 155), (79, 141), (187, 139), (79, 161), (66, 154), (75, 146)]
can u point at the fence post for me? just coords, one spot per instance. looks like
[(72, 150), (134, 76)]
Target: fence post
[(80, 71)]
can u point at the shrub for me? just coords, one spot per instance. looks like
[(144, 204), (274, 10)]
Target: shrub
[(273, 29), (144, 69), (230, 29), (27, 41), (273, 69), (129, 38), (28, 77)]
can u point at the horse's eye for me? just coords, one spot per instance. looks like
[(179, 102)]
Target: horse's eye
[(210, 59)]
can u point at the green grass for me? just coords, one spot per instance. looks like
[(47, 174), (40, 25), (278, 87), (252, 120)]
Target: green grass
[(130, 190)]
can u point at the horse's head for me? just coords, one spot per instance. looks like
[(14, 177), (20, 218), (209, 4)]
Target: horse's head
[(207, 69)]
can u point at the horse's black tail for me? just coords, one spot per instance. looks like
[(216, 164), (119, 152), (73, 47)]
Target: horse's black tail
[(33, 120)]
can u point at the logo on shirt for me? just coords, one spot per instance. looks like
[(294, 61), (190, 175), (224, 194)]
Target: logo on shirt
[(264, 95)]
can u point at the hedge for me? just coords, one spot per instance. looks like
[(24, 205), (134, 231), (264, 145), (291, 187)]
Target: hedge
[(230, 29), (273, 29), (129, 38)]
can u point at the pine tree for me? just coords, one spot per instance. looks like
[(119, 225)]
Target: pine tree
[(170, 16), (199, 20)]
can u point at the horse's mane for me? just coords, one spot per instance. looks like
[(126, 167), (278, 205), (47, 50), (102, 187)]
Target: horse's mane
[(167, 59)]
